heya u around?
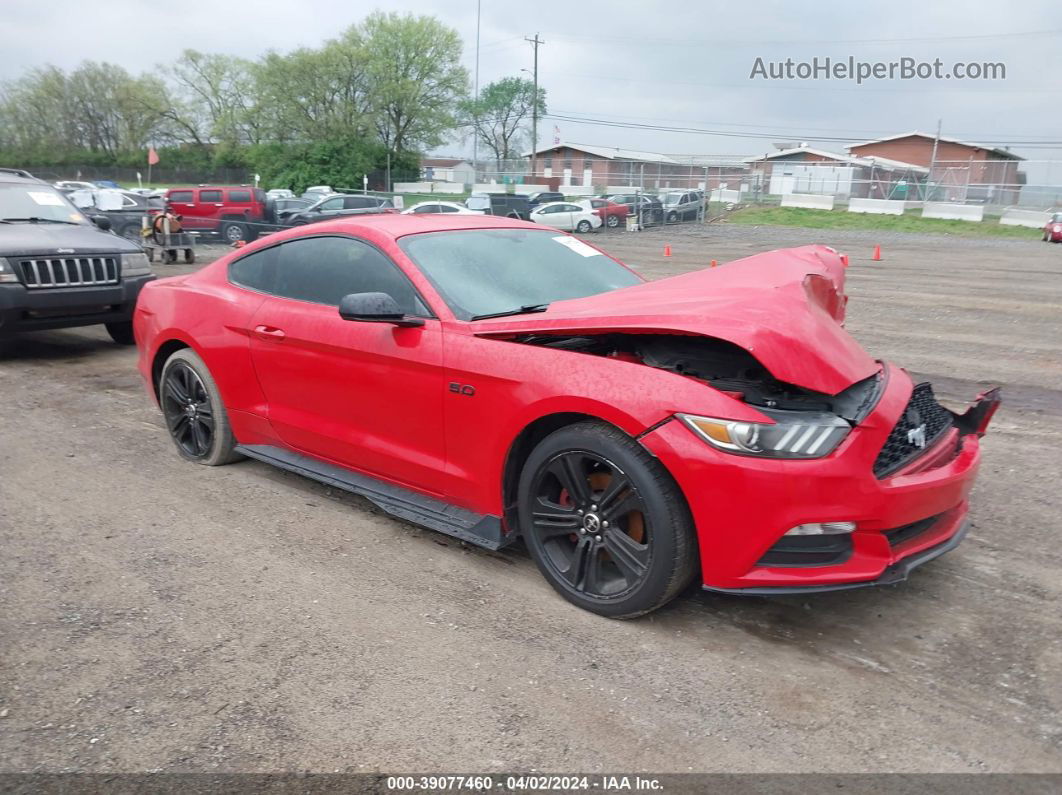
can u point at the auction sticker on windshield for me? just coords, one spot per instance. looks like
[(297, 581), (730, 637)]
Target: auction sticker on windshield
[(46, 199), (578, 246)]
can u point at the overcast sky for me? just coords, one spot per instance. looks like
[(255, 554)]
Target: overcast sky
[(664, 63)]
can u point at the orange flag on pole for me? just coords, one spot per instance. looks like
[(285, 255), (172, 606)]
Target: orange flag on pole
[(153, 156)]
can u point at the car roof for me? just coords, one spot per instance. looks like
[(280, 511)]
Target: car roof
[(393, 226), (19, 175)]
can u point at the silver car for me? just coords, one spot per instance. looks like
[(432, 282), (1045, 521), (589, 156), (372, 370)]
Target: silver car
[(682, 205)]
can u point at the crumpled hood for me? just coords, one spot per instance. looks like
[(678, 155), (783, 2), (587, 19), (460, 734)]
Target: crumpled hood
[(785, 307)]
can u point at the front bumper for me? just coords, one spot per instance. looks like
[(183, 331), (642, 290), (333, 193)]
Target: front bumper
[(67, 307), (742, 506)]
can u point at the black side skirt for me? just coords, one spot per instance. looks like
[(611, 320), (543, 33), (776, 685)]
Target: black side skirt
[(481, 530), (895, 573)]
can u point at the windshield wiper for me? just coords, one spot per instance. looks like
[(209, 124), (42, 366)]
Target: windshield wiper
[(33, 219), (526, 309)]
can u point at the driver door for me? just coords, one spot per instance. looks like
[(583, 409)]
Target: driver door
[(366, 395)]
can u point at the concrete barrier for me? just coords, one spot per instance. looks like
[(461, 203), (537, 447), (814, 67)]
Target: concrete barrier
[(876, 206), (1034, 219), (412, 187), (577, 190), (726, 195), (448, 187), (624, 189), (809, 201), (953, 212)]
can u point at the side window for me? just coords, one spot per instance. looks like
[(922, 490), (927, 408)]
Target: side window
[(324, 269), (357, 202), (427, 208), (446, 208), (183, 196), (331, 204), (210, 196), (240, 196), (256, 271)]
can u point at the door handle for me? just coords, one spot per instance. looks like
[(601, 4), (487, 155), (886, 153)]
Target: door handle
[(269, 333)]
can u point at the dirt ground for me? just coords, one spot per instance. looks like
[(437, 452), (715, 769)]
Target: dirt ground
[(156, 615)]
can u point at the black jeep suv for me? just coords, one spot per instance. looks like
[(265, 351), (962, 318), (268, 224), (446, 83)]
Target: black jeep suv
[(60, 269)]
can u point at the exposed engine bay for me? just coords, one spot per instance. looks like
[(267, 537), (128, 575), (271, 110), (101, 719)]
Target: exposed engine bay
[(725, 366)]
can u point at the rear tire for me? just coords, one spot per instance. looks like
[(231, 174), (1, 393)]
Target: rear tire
[(195, 416), (231, 231), (583, 227), (612, 222), (605, 522), (122, 332)]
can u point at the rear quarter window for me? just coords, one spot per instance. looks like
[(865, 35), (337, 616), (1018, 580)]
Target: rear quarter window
[(256, 271)]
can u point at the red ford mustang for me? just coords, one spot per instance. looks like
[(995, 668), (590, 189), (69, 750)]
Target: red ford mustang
[(489, 379)]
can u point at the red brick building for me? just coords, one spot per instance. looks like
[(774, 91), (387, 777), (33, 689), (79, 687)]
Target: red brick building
[(586, 165), (961, 171)]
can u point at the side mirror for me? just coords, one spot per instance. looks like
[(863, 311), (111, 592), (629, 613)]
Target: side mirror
[(375, 308), (103, 222)]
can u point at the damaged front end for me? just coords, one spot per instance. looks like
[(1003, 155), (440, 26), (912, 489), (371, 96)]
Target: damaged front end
[(802, 423)]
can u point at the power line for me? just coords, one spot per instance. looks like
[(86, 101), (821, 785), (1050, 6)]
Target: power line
[(729, 42), (750, 134)]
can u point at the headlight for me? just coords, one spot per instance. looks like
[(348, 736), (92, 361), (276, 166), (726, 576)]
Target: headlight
[(135, 265), (795, 434), (7, 273)]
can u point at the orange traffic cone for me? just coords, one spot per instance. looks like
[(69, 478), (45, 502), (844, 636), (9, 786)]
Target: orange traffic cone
[(877, 254), (714, 263), (844, 260), (667, 251)]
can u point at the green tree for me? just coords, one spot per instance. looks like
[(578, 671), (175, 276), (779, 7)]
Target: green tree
[(416, 79), (500, 117)]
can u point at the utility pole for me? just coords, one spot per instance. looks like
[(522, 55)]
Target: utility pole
[(933, 161), (475, 116), (534, 109)]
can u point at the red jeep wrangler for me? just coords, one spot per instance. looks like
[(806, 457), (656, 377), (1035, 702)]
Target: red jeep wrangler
[(235, 213)]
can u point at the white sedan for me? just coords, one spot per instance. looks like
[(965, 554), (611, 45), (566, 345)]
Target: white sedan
[(566, 216), (439, 207)]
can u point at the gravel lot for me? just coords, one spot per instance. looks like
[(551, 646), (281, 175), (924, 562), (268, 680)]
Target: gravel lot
[(156, 615)]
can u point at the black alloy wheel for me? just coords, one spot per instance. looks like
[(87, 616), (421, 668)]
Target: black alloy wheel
[(590, 520), (604, 521), (188, 410)]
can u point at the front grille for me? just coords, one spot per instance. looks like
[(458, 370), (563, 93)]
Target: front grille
[(901, 535), (902, 446), (68, 272), (825, 550)]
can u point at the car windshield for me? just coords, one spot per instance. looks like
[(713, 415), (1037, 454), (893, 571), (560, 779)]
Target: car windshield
[(489, 271), (671, 198), (478, 203), (20, 201)]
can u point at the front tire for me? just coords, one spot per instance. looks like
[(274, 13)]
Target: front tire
[(195, 416), (605, 522), (121, 332), (672, 218)]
